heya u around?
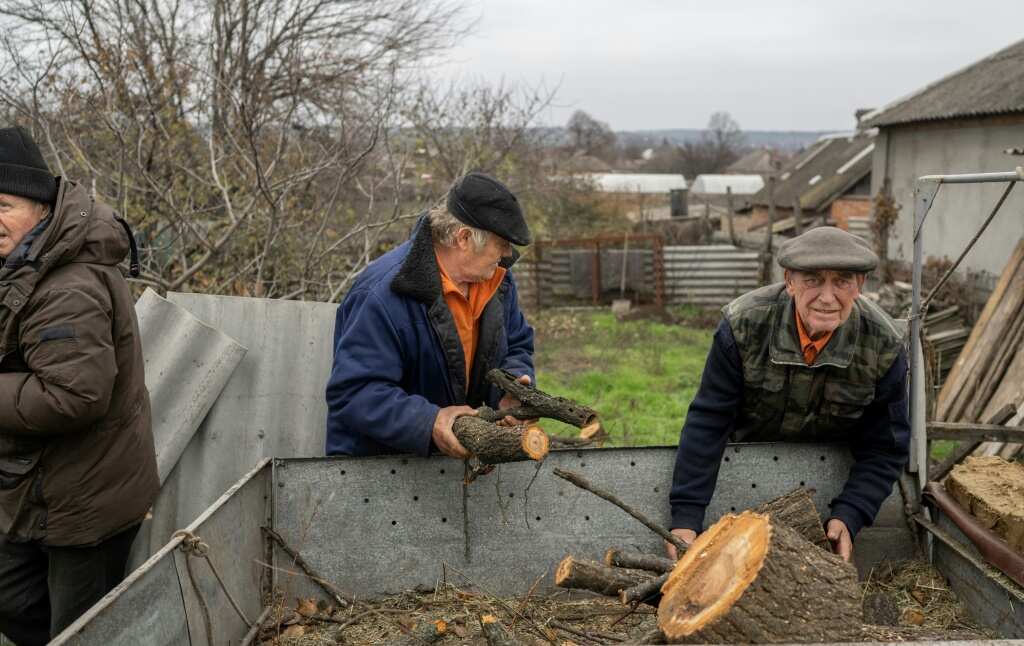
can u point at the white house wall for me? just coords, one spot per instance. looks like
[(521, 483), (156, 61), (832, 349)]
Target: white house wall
[(904, 154)]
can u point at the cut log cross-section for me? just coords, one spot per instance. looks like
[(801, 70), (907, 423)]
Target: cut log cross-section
[(493, 444), (595, 577), (750, 580)]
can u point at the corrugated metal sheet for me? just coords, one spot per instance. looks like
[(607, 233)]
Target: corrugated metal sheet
[(710, 275), (187, 363), (637, 182), (273, 404), (719, 184)]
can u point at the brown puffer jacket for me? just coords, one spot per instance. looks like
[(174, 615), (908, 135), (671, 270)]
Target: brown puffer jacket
[(77, 463)]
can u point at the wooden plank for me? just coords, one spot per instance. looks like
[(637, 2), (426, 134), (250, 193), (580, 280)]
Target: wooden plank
[(977, 432), (968, 359)]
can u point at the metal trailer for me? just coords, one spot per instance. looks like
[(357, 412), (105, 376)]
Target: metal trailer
[(386, 524)]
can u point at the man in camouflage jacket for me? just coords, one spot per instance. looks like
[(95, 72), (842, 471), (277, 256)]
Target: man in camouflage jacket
[(802, 360)]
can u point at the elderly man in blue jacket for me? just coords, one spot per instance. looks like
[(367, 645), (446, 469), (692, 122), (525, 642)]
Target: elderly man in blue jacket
[(425, 322)]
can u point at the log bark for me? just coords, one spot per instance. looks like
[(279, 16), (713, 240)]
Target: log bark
[(493, 444), (425, 632), (750, 580), (615, 557), (796, 510), (648, 592), (495, 633), (541, 404), (595, 577)]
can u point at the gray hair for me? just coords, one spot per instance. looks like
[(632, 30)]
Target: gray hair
[(445, 227)]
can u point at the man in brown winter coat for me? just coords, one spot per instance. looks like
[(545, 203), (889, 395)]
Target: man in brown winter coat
[(77, 465)]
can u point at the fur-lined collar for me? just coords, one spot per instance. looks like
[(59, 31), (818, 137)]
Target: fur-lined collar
[(419, 277)]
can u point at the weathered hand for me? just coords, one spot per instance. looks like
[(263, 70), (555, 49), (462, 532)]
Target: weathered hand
[(508, 401), (685, 535), (442, 434), (839, 535)]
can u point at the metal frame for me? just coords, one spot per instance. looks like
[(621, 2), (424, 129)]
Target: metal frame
[(926, 189)]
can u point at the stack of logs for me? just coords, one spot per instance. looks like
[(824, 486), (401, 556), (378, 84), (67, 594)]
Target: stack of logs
[(764, 575)]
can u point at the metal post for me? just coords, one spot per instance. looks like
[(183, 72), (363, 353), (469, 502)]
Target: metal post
[(924, 196)]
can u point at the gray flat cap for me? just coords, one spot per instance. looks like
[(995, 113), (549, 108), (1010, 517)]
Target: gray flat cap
[(827, 248)]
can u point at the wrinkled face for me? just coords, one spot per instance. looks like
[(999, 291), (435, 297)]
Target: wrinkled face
[(476, 265), (824, 299), (18, 216)]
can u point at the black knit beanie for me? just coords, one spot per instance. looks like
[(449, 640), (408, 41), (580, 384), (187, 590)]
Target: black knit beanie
[(23, 171)]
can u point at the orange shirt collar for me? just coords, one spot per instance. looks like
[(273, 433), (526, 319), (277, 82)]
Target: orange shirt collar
[(810, 348), (466, 310)]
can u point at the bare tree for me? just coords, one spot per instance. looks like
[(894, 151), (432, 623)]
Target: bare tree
[(589, 136), (247, 140)]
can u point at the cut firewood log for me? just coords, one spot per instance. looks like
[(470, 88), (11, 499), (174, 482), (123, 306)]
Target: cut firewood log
[(992, 490), (537, 403), (796, 510), (595, 577), (425, 632), (495, 633), (750, 580), (493, 444), (638, 561), (648, 592)]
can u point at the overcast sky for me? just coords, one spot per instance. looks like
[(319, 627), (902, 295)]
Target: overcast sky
[(773, 64)]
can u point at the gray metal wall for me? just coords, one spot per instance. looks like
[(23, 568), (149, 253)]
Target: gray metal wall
[(904, 154), (157, 604), (377, 525), (272, 405)]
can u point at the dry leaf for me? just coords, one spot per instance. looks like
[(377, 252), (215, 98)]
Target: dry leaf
[(306, 607), (920, 596), (293, 631), (459, 630), (914, 617)]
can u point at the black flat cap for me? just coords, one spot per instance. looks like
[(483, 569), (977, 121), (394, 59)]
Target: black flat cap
[(827, 248), (23, 171), (483, 202)]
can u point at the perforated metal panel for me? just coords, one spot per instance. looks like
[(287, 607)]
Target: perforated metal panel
[(376, 525)]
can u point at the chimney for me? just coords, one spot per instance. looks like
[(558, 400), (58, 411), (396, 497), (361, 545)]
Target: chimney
[(859, 114)]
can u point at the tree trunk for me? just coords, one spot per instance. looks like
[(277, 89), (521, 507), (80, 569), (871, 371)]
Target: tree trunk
[(638, 561), (493, 444), (796, 510), (750, 580), (602, 579), (495, 633)]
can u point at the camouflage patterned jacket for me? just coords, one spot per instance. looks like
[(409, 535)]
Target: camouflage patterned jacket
[(757, 388)]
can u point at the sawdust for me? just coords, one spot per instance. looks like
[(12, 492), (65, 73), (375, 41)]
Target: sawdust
[(925, 607)]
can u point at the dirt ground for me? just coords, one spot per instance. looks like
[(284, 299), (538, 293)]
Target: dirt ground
[(908, 601)]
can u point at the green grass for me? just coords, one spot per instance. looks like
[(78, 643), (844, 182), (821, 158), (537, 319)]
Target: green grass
[(639, 375)]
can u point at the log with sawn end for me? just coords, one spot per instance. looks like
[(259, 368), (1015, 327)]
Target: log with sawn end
[(638, 561), (537, 403), (425, 632), (595, 577), (495, 633), (796, 510), (493, 444), (748, 579)]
